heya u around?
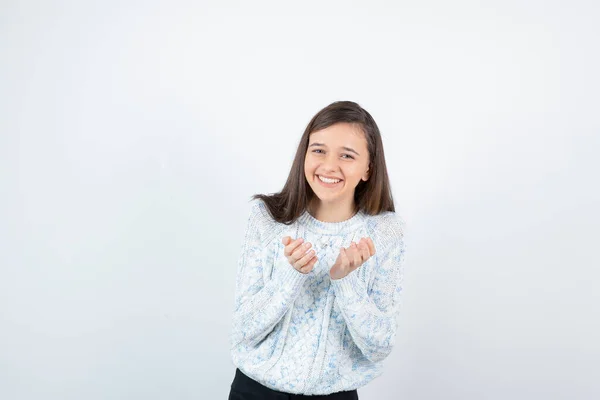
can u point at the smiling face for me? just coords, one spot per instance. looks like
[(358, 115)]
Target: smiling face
[(338, 152)]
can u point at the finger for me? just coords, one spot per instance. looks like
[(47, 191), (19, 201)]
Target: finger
[(351, 254), (286, 240), (302, 261), (345, 261), (357, 258), (361, 247), (300, 251), (290, 248), (371, 246), (354, 255), (309, 266), (364, 248)]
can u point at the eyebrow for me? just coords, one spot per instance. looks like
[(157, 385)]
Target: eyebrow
[(343, 147)]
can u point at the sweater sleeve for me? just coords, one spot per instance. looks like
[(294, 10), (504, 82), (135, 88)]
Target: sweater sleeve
[(261, 298), (371, 314)]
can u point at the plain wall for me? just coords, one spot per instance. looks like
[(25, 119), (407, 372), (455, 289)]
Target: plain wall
[(132, 135)]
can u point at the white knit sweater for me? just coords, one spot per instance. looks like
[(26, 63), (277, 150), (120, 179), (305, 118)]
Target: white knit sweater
[(305, 333)]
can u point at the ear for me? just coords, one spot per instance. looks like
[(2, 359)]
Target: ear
[(365, 176)]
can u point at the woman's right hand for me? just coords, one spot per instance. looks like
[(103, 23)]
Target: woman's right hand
[(295, 252)]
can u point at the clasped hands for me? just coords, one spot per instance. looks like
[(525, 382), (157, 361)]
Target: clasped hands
[(349, 259)]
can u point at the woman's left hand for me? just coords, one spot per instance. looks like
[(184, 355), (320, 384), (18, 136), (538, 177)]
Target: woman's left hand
[(352, 257)]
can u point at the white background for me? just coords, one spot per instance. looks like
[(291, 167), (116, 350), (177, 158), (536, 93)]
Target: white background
[(132, 135)]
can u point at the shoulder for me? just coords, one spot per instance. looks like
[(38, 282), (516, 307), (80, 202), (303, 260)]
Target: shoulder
[(386, 228), (260, 219), (258, 213), (386, 223), (258, 209)]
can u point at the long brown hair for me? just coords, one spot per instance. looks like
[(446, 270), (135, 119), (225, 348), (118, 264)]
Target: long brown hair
[(372, 197)]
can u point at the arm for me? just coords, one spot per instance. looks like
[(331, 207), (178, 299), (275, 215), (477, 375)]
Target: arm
[(261, 303), (371, 314)]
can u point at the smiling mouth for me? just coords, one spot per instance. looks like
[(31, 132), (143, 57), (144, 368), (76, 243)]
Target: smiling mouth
[(327, 182)]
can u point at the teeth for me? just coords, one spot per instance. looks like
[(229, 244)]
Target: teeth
[(327, 180)]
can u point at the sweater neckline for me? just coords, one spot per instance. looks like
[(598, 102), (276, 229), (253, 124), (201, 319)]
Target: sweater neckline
[(332, 228)]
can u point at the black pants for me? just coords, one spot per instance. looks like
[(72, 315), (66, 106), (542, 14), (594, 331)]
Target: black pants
[(246, 388)]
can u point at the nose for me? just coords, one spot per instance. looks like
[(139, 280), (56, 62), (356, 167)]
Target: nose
[(331, 163)]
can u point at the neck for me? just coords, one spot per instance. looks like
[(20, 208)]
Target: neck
[(332, 212)]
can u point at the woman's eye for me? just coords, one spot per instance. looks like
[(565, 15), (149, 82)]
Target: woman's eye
[(319, 151)]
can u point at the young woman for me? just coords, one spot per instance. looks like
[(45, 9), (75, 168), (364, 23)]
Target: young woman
[(318, 284)]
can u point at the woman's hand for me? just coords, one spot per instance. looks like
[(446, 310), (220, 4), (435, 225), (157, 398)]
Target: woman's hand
[(352, 257), (296, 253)]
